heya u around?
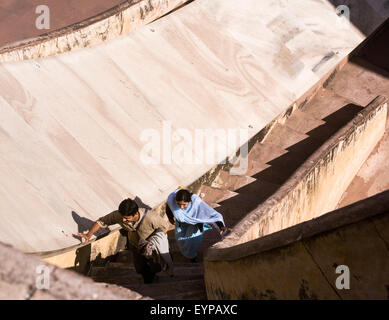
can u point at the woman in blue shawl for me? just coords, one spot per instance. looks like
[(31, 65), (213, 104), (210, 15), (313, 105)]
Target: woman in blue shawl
[(192, 218)]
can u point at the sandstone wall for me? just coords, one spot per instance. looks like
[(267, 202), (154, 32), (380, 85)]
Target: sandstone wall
[(300, 262)]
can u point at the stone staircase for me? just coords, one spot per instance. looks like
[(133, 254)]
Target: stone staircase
[(277, 157), (270, 163)]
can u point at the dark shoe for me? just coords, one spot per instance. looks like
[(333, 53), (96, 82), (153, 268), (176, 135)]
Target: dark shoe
[(149, 278)]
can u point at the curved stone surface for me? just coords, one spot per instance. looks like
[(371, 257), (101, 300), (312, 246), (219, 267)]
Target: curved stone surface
[(71, 124)]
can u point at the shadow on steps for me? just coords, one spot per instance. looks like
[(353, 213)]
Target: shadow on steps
[(283, 167), (188, 282)]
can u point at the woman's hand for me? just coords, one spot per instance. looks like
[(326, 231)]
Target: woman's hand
[(225, 229)]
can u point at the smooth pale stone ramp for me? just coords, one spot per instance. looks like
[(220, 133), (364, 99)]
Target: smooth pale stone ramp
[(71, 125)]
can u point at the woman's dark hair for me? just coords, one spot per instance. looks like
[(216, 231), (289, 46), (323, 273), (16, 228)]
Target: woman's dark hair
[(128, 207), (183, 195)]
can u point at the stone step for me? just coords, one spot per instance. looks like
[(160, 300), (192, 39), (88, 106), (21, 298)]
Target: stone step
[(297, 153), (255, 167), (190, 265), (189, 295), (230, 182), (133, 278), (335, 122), (325, 103), (249, 197), (283, 136), (302, 122), (121, 278), (121, 265), (174, 251), (343, 115), (126, 265), (214, 205), (187, 267), (264, 152), (239, 168), (215, 195), (169, 289), (123, 256), (124, 293), (179, 258), (356, 81), (283, 167), (180, 267), (117, 268)]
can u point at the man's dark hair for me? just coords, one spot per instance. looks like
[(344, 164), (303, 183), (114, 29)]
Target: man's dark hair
[(128, 207)]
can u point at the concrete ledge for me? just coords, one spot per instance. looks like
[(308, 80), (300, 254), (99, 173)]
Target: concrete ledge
[(108, 25), (310, 192), (300, 262), (19, 277), (78, 258), (342, 217)]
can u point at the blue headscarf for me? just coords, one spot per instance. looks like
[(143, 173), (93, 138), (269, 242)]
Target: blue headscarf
[(197, 211)]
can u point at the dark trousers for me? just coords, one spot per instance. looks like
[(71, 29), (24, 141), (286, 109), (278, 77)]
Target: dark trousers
[(146, 267)]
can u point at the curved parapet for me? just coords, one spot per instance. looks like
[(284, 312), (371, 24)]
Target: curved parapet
[(313, 190), (119, 20)]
